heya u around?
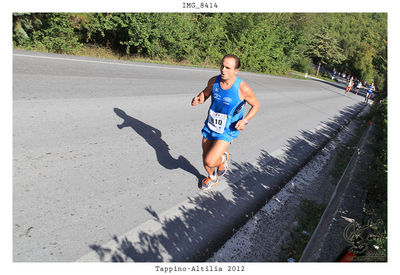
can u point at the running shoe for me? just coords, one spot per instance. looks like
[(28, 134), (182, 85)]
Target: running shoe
[(207, 183), (223, 167)]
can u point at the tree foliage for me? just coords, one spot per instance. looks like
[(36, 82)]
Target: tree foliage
[(325, 49), (354, 43)]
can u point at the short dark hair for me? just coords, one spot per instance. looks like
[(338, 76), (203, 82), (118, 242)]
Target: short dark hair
[(237, 59)]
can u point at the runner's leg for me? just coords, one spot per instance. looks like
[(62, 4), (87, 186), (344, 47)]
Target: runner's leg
[(206, 145), (212, 156)]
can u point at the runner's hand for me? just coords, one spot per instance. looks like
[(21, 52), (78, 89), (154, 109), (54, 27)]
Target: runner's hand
[(240, 125), (196, 101)]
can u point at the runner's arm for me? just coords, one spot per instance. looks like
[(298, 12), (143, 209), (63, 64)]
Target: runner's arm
[(203, 95), (249, 97)]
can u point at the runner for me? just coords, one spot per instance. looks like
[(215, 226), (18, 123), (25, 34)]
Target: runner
[(358, 87), (371, 89), (349, 85), (225, 120)]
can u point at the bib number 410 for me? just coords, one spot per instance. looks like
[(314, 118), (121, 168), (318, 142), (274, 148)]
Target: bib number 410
[(216, 121)]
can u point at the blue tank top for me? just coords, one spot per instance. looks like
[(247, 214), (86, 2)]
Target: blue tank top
[(226, 109), (370, 89)]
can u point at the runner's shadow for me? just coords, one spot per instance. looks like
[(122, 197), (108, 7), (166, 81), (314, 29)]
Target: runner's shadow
[(153, 138)]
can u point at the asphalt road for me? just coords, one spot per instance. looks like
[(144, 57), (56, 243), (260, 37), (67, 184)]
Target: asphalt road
[(107, 157)]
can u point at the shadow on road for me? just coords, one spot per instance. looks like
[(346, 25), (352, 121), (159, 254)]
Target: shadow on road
[(161, 148), (200, 230)]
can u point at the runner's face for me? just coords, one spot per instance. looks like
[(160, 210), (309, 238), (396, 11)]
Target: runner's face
[(228, 68)]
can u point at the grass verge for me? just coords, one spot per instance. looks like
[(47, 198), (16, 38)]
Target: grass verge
[(97, 51)]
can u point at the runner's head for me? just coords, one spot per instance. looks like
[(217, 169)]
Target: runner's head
[(237, 60), (230, 64)]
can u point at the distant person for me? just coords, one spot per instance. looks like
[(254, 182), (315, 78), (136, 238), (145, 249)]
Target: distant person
[(359, 85), (225, 119), (349, 85), (371, 89)]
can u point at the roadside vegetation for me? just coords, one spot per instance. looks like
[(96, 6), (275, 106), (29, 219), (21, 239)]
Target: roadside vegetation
[(273, 43), (376, 202)]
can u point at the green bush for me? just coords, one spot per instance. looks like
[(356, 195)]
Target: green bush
[(52, 31), (303, 64), (376, 202)]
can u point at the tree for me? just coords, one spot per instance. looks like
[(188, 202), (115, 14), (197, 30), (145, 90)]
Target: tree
[(324, 50)]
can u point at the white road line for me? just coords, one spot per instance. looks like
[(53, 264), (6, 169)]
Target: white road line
[(112, 63)]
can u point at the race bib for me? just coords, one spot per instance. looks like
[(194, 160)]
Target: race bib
[(216, 121)]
